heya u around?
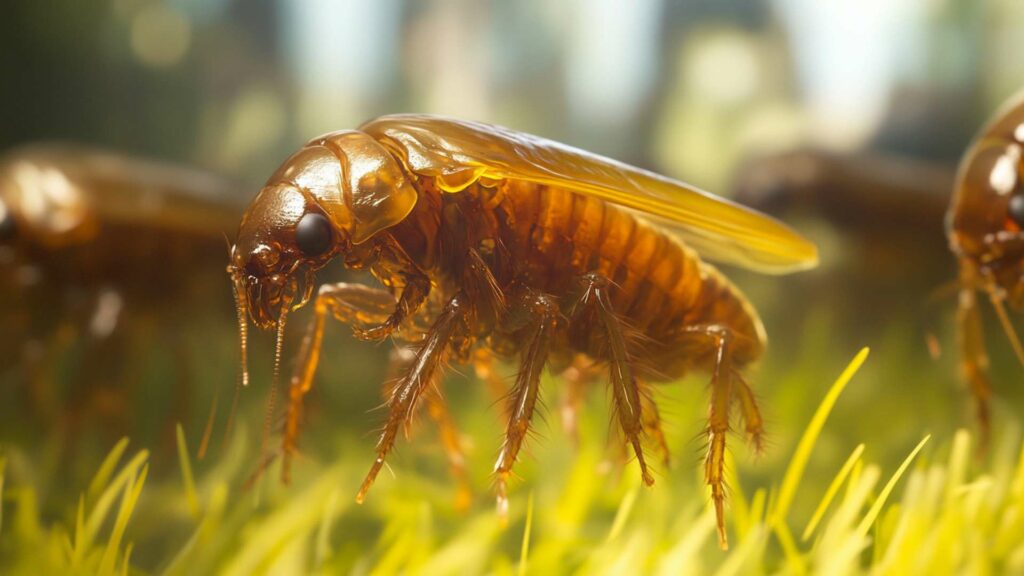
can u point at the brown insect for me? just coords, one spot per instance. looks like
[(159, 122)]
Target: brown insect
[(984, 225), (99, 251), (502, 243)]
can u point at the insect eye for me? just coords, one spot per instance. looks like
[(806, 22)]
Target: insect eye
[(1015, 209), (314, 234)]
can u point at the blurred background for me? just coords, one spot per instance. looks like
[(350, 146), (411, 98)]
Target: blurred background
[(845, 119)]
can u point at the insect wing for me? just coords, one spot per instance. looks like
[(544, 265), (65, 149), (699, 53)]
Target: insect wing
[(458, 153)]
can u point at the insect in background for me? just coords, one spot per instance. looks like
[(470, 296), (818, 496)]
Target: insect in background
[(100, 254), (883, 210), (517, 247), (985, 227)]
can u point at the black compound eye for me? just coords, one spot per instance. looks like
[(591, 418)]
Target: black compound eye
[(1015, 209), (314, 234)]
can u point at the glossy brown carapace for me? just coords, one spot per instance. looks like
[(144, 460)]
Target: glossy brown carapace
[(984, 225), (492, 243)]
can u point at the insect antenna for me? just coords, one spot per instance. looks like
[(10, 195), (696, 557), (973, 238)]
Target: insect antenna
[(242, 311), (272, 398), (1011, 332)]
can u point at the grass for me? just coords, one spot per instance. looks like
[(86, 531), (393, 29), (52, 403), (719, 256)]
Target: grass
[(942, 510)]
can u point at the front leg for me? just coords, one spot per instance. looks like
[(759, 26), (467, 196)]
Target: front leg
[(414, 294), (974, 359), (354, 304)]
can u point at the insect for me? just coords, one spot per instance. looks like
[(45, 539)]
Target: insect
[(886, 210), (520, 247), (984, 226), (99, 252)]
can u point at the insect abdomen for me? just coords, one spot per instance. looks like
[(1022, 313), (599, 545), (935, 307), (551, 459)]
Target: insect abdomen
[(661, 285)]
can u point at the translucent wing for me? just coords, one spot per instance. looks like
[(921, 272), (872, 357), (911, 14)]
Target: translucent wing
[(459, 152)]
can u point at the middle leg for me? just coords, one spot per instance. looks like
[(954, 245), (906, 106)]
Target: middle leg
[(539, 314)]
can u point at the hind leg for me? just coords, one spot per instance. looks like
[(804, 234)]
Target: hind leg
[(625, 387), (652, 422), (722, 390), (751, 413)]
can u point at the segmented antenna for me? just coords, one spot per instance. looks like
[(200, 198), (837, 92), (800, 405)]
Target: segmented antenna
[(272, 399), (242, 309)]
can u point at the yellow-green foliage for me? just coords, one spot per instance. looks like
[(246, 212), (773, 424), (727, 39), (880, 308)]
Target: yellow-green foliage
[(934, 514)]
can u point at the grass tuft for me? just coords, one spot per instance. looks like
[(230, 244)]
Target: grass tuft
[(584, 514)]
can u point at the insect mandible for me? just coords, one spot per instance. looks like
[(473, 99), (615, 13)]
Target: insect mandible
[(498, 241)]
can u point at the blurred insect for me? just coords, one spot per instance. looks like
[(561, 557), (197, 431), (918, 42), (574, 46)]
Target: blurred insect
[(984, 225), (883, 210), (511, 244), (99, 252)]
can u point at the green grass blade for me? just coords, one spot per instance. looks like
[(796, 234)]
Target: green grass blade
[(106, 501), (524, 552), (795, 470), (106, 469), (869, 518), (186, 473), (833, 489), (130, 498), (622, 515), (323, 533)]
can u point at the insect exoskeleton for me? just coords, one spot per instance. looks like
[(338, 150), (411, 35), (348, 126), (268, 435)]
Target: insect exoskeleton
[(489, 242), (984, 226), (99, 250)]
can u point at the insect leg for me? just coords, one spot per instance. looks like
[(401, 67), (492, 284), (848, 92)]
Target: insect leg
[(352, 304), (652, 422), (450, 440), (751, 413), (484, 366), (625, 388), (400, 359), (414, 294), (403, 398), (577, 378), (718, 418), (974, 358), (543, 314)]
